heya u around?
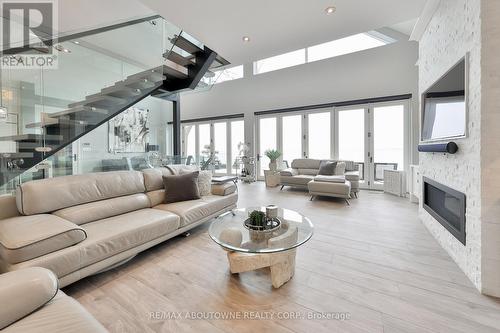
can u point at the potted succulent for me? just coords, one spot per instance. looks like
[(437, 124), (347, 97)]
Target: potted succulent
[(256, 223), (273, 155)]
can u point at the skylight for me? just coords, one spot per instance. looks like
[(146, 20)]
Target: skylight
[(335, 48)]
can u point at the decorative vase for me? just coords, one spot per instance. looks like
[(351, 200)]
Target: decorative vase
[(272, 166)]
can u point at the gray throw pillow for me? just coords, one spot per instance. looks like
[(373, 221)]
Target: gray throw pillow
[(327, 168), (181, 187)]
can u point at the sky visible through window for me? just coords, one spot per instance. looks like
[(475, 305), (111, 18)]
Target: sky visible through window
[(335, 48)]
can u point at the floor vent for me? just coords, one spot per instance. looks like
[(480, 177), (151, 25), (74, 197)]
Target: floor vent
[(394, 182)]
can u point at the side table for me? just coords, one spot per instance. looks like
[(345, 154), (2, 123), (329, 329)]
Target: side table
[(272, 178)]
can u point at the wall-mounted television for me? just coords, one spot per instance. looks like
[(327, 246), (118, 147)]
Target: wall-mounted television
[(444, 106)]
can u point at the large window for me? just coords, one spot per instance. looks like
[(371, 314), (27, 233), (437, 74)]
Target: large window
[(267, 140), (342, 46), (335, 48), (319, 129), (237, 140), (280, 61), (292, 137), (214, 144), (220, 147), (373, 135)]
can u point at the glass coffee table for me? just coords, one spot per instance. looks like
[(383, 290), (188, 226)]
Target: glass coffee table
[(249, 250)]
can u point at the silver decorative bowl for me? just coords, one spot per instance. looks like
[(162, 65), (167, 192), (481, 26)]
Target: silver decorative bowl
[(272, 224)]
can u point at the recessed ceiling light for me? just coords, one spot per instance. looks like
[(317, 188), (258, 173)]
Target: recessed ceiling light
[(330, 10), (76, 42), (246, 38)]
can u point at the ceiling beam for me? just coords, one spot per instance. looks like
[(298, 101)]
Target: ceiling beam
[(425, 17)]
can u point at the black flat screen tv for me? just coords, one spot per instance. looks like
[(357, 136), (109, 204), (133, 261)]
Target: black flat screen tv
[(444, 111)]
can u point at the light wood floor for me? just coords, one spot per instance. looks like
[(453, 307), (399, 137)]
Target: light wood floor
[(373, 260)]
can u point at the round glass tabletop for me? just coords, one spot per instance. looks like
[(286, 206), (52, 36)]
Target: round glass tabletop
[(230, 232)]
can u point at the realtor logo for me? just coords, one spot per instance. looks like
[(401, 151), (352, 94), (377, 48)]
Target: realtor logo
[(28, 34)]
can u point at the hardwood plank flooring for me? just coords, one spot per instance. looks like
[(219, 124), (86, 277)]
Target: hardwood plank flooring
[(373, 260)]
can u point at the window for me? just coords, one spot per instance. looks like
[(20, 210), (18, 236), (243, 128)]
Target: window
[(319, 135), (214, 144), (223, 75), (335, 48), (237, 138), (343, 46), (280, 61)]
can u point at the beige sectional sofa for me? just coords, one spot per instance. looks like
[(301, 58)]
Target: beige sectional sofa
[(304, 173), (35, 304), (80, 225)]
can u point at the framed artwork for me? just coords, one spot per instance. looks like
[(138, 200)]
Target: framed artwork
[(128, 131)]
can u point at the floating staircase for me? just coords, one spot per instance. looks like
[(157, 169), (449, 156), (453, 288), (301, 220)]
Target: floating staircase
[(184, 65)]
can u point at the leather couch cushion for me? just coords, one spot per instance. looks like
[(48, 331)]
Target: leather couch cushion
[(48, 195), (329, 179), (309, 172), (223, 189), (8, 206), (194, 210), (341, 189), (153, 178), (300, 180), (352, 176), (61, 314), (99, 210), (156, 197), (25, 291), (306, 163), (106, 238), (26, 237)]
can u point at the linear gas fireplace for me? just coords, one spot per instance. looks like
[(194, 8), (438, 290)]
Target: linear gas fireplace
[(446, 205)]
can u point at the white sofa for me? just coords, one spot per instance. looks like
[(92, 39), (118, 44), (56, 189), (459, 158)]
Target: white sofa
[(80, 225), (304, 173)]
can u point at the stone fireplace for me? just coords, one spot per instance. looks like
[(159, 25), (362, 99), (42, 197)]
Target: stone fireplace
[(469, 28), (446, 205)]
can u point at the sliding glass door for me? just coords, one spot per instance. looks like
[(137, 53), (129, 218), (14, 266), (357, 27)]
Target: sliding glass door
[(213, 145), (351, 137), (291, 138), (374, 136), (388, 140), (268, 139), (319, 135)]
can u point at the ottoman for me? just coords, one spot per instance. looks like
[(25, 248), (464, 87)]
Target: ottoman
[(330, 186)]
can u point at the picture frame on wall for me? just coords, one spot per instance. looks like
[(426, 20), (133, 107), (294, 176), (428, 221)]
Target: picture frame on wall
[(129, 132)]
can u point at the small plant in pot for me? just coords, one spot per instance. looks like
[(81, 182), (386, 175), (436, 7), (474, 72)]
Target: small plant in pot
[(273, 156), (258, 219)]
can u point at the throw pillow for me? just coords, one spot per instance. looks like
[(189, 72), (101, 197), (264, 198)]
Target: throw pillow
[(181, 187), (327, 168), (205, 182), (340, 169)]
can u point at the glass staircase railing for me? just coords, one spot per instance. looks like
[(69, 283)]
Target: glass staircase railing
[(98, 75)]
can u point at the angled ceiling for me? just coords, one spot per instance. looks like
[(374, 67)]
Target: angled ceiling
[(277, 26)]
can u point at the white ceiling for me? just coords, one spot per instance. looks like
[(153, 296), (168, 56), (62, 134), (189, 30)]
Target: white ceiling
[(277, 26), (81, 15), (405, 27)]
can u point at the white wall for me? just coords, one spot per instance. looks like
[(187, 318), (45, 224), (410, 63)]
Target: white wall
[(383, 71), (490, 148), (459, 27)]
